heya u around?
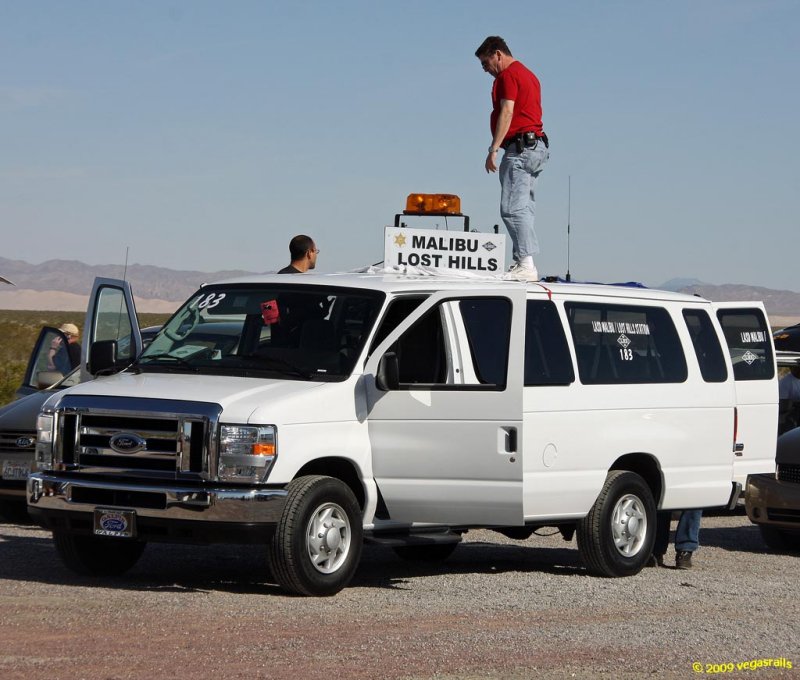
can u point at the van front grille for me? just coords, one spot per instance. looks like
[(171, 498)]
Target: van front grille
[(789, 473)]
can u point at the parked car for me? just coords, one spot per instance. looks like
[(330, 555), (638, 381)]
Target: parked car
[(18, 419), (773, 500), (787, 339)]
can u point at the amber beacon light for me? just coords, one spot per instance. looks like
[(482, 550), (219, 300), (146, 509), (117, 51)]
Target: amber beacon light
[(433, 204)]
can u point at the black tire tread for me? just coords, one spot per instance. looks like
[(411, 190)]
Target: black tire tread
[(280, 558), (590, 529)]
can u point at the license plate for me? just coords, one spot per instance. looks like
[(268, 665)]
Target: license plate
[(118, 523), (12, 470)]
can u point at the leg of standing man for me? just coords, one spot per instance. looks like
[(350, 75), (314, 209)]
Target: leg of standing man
[(519, 173), (687, 538)]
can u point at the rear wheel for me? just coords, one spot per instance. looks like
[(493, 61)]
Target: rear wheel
[(780, 539), (97, 555), (317, 543), (616, 537)]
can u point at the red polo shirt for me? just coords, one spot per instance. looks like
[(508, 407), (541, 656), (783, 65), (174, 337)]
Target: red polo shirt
[(520, 85)]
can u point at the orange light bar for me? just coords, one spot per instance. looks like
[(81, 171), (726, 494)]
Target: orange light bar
[(433, 204), (263, 449)]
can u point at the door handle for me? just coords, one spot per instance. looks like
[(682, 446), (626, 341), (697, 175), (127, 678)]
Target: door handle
[(511, 440)]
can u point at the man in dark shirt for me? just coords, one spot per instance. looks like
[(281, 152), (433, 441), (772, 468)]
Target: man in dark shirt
[(303, 252)]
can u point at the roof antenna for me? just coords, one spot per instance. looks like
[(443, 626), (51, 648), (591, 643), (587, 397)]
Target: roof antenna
[(569, 210), (125, 270)]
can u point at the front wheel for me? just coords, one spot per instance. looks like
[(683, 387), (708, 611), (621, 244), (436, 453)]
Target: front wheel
[(317, 543), (616, 537), (97, 555)]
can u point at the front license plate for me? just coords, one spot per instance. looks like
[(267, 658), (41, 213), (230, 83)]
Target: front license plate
[(118, 523), (12, 470)]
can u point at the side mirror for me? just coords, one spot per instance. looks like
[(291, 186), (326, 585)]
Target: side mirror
[(388, 375), (45, 379), (102, 357)]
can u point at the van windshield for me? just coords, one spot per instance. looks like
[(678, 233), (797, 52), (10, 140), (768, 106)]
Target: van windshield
[(289, 331)]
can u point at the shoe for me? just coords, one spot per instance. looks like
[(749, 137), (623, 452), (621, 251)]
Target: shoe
[(519, 272), (683, 559)]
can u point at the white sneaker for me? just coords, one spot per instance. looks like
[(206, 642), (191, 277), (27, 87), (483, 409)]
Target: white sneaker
[(519, 272)]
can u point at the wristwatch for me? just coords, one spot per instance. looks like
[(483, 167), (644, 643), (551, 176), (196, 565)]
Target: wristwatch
[(493, 150)]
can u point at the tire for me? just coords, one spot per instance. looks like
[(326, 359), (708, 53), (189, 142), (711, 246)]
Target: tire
[(779, 539), (616, 537), (432, 552), (96, 555), (317, 543)]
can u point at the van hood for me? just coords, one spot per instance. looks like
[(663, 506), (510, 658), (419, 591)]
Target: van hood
[(239, 397)]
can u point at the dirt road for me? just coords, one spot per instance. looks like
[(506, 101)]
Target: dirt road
[(495, 609)]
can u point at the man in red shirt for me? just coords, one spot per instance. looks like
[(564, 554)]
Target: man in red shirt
[(516, 125)]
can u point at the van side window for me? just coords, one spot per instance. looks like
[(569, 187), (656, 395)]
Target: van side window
[(488, 325), (547, 360), (428, 355), (706, 345), (398, 310), (748, 338), (621, 344)]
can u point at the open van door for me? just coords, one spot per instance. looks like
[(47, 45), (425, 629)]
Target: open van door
[(111, 316), (444, 411), (749, 341), (49, 362)]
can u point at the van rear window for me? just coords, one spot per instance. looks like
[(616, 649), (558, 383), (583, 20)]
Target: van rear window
[(706, 345), (748, 338), (621, 344)]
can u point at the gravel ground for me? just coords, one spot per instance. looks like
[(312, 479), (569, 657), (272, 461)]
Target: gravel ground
[(496, 609)]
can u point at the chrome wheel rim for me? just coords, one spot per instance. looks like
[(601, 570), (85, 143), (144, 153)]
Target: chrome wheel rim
[(629, 525), (328, 538)]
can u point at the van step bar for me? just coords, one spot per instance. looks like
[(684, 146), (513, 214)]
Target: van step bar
[(392, 539)]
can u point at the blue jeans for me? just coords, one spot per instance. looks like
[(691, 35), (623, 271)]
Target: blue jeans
[(518, 174), (687, 536)]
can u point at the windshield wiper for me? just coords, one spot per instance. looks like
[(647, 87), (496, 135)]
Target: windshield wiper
[(178, 360)]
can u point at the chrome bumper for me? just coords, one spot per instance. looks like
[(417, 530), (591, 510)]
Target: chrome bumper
[(48, 493)]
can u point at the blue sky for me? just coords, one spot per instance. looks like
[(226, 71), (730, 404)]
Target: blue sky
[(203, 135)]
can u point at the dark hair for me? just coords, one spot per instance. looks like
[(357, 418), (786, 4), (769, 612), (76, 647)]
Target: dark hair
[(492, 44), (299, 246)]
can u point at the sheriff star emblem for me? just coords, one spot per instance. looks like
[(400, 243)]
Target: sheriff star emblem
[(400, 240)]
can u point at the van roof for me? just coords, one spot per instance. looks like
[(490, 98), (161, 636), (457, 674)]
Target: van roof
[(391, 282)]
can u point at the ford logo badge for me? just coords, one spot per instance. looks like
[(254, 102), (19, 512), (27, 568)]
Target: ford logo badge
[(113, 522), (125, 442), (24, 442)]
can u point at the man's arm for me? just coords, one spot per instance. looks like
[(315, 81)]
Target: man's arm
[(500, 132)]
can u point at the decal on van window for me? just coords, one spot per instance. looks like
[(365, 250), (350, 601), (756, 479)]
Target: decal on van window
[(620, 327), (748, 357), (754, 336), (211, 300)]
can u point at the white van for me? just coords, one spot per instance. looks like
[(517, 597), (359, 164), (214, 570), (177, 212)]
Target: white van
[(313, 412)]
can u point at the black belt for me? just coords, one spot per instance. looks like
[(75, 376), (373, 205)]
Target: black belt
[(526, 140)]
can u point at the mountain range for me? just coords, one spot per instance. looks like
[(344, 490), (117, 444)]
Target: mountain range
[(65, 284)]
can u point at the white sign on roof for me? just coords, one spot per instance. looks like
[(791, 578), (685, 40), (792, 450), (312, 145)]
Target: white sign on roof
[(462, 250)]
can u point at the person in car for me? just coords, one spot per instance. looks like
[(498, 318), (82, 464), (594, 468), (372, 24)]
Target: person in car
[(64, 358)]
